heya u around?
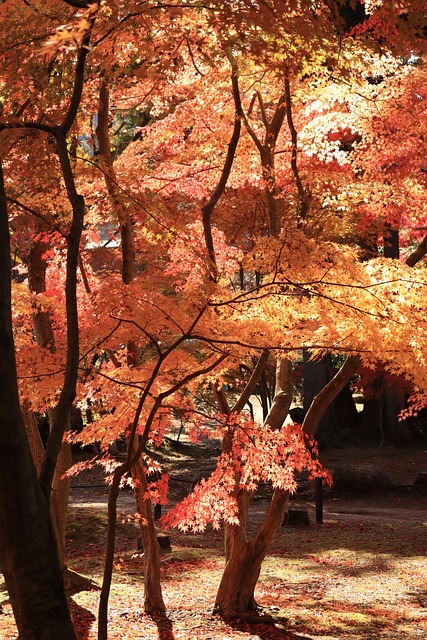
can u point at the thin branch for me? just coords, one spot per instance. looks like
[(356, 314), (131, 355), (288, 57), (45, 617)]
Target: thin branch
[(84, 274), (128, 195), (47, 219), (252, 133), (302, 193), (27, 125), (79, 74), (190, 51), (123, 383), (252, 382), (231, 152), (159, 400), (162, 357), (263, 110)]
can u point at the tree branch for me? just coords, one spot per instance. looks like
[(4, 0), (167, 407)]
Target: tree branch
[(263, 110), (79, 4), (302, 193), (231, 152), (252, 382), (79, 73), (329, 392), (418, 253)]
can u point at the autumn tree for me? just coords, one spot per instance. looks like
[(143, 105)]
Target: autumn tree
[(29, 558), (305, 221), (242, 204)]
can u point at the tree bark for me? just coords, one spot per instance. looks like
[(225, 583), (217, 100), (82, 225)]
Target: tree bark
[(28, 555), (235, 597), (153, 598), (37, 266)]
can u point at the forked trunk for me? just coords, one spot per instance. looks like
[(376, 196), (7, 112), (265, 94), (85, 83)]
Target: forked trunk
[(236, 593), (235, 597)]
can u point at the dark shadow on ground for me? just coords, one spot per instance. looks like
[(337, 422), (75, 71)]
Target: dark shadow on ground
[(82, 619), (274, 628), (164, 626), (399, 539)]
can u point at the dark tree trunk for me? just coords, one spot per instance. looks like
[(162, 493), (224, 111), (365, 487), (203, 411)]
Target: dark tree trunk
[(391, 242), (28, 555), (317, 374)]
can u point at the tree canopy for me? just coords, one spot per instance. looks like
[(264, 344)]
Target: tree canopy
[(193, 187)]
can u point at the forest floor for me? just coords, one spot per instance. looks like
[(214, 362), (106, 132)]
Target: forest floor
[(361, 575)]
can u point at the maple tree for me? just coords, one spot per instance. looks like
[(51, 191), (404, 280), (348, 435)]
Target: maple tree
[(243, 204)]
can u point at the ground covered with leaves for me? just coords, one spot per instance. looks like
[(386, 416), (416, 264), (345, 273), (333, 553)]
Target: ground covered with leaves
[(361, 575)]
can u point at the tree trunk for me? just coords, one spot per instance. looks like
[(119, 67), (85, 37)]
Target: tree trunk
[(114, 192), (28, 556), (59, 501), (37, 266), (235, 596), (317, 374), (153, 598), (236, 593)]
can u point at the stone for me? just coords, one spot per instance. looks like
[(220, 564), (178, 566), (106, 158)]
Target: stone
[(362, 477), (296, 518), (162, 538), (421, 479)]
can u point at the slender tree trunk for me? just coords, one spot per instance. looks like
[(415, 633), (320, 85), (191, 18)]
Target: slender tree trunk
[(153, 598), (28, 555), (59, 502), (115, 194), (113, 494)]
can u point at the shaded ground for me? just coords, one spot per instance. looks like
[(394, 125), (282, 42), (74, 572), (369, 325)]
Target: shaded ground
[(359, 576), (402, 501)]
